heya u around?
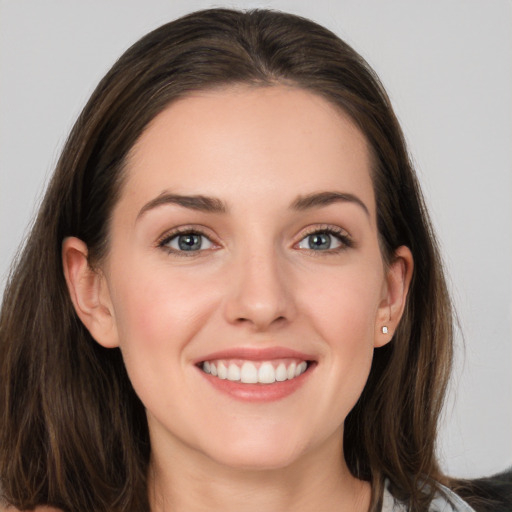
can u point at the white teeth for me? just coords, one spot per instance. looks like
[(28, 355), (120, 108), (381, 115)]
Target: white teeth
[(222, 371), (266, 374), (250, 374), (281, 374), (301, 368), (233, 372)]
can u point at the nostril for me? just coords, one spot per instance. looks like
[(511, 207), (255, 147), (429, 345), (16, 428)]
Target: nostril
[(260, 322), (258, 302)]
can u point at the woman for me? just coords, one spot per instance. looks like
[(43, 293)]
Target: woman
[(234, 292)]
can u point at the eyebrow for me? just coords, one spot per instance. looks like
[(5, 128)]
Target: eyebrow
[(199, 202), (215, 205), (319, 199)]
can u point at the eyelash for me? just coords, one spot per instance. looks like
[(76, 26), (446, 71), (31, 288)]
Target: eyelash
[(340, 234), (168, 237)]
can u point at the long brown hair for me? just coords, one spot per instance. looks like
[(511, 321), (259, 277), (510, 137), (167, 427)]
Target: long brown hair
[(73, 433)]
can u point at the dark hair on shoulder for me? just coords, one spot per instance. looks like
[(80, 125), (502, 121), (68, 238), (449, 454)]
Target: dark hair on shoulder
[(73, 433), (488, 494)]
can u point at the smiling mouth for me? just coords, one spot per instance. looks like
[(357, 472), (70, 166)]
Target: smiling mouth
[(255, 372)]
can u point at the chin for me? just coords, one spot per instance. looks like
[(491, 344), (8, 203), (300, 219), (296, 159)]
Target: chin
[(259, 453)]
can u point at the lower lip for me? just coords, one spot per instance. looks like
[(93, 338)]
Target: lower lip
[(258, 392)]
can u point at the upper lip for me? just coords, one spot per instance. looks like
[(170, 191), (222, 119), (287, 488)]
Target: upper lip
[(256, 354)]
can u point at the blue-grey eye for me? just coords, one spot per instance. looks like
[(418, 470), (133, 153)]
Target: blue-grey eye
[(320, 241), (189, 242)]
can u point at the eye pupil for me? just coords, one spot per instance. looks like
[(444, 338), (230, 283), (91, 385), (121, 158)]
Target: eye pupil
[(319, 241), (189, 242)]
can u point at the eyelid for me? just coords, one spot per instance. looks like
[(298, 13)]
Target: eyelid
[(183, 230), (342, 234)]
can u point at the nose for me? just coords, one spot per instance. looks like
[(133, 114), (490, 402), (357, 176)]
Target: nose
[(260, 291)]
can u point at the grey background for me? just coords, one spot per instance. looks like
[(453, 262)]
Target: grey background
[(447, 65)]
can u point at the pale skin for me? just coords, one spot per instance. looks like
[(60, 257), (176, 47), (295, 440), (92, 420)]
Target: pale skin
[(266, 269)]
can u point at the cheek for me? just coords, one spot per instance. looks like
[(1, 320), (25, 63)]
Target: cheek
[(156, 307), (343, 310), (157, 313), (344, 304), (143, 311)]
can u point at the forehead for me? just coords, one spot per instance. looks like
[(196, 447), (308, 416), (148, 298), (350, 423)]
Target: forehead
[(246, 139)]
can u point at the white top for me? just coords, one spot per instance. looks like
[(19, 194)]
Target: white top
[(445, 501)]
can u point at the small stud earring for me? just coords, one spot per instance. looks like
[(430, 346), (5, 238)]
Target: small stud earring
[(384, 329)]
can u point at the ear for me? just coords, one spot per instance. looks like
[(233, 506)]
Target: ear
[(89, 293), (397, 281)]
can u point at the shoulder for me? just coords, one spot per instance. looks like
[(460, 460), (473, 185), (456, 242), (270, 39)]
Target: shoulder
[(488, 494), (445, 500)]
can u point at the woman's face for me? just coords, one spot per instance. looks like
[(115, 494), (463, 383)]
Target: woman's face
[(245, 246)]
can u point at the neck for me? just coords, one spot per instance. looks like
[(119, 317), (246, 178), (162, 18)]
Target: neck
[(318, 481)]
